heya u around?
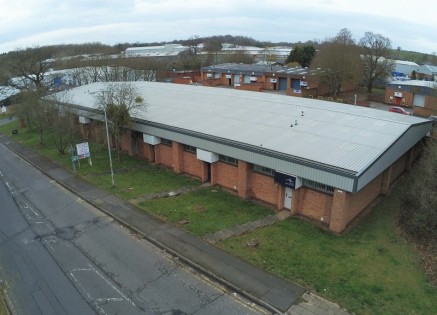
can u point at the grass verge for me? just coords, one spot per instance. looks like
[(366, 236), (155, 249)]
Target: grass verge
[(204, 211), (3, 307), (370, 270), (133, 177)]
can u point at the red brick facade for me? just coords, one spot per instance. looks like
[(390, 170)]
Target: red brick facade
[(335, 210), (314, 204), (263, 81), (263, 187), (405, 100), (225, 175), (429, 108)]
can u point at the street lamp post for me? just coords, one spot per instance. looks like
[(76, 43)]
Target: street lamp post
[(109, 148)]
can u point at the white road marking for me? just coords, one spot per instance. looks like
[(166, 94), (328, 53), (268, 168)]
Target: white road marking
[(111, 285)]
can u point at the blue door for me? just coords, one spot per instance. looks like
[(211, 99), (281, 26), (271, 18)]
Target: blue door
[(282, 84)]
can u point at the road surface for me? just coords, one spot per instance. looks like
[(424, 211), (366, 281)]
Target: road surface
[(59, 255)]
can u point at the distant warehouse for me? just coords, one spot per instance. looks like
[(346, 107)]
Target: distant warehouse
[(323, 160)]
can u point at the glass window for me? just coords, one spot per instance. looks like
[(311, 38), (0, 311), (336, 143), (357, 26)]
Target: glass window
[(228, 159), (318, 186), (190, 148), (263, 170), (166, 142)]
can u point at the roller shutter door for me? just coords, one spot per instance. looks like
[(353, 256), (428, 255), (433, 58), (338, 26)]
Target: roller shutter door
[(419, 100), (282, 84)]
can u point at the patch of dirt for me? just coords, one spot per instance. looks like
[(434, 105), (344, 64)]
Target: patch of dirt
[(427, 254), (199, 208)]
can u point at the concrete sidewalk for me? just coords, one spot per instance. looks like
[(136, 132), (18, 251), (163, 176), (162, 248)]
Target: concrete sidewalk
[(275, 294)]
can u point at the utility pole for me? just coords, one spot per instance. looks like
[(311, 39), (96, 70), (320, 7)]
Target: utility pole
[(109, 148)]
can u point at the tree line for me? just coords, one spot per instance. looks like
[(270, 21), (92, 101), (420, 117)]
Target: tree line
[(340, 60)]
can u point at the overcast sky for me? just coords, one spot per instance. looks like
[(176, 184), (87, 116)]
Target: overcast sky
[(411, 25)]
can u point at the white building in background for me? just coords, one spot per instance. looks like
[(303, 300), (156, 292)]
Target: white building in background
[(404, 68), (155, 51), (428, 72), (6, 92), (52, 78), (167, 50), (279, 53)]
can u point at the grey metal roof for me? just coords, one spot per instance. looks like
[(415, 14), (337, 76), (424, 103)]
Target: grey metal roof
[(256, 69), (428, 69), (334, 135)]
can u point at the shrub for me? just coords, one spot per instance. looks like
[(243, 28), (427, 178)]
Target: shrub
[(418, 206)]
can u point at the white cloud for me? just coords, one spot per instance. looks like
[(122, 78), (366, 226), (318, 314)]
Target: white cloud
[(43, 22)]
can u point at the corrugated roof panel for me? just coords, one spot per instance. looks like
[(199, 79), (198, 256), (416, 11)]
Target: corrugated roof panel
[(333, 134)]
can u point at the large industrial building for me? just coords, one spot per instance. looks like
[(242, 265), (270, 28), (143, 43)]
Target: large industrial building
[(322, 160), (293, 81)]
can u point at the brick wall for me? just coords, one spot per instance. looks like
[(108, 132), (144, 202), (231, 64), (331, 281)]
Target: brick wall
[(398, 167), (257, 87), (183, 80), (191, 165), (138, 146), (423, 112), (211, 82), (406, 99), (126, 142), (363, 198), (313, 204), (148, 152), (268, 85), (226, 175), (264, 188), (225, 81), (164, 155)]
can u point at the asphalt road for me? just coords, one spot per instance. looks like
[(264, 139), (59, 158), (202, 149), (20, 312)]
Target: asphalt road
[(59, 255)]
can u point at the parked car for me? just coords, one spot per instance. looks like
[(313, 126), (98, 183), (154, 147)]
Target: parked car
[(400, 110)]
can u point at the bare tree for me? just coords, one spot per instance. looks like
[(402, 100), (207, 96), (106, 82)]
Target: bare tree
[(213, 47), (31, 108), (120, 101), (376, 54), (238, 56), (269, 55), (192, 42), (31, 64), (62, 122), (338, 61)]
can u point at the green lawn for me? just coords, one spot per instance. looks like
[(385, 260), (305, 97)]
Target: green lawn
[(3, 310), (133, 177), (207, 210), (369, 270)]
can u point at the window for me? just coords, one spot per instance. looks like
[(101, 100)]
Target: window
[(189, 148), (166, 142), (318, 186), (263, 170), (228, 159)]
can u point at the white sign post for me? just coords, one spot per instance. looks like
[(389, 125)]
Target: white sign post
[(83, 152), (3, 109)]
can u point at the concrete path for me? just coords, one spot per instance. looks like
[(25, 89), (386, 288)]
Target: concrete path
[(166, 194), (273, 293), (247, 227), (312, 304)]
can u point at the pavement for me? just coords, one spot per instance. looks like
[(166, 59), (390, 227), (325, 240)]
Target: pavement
[(275, 294)]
